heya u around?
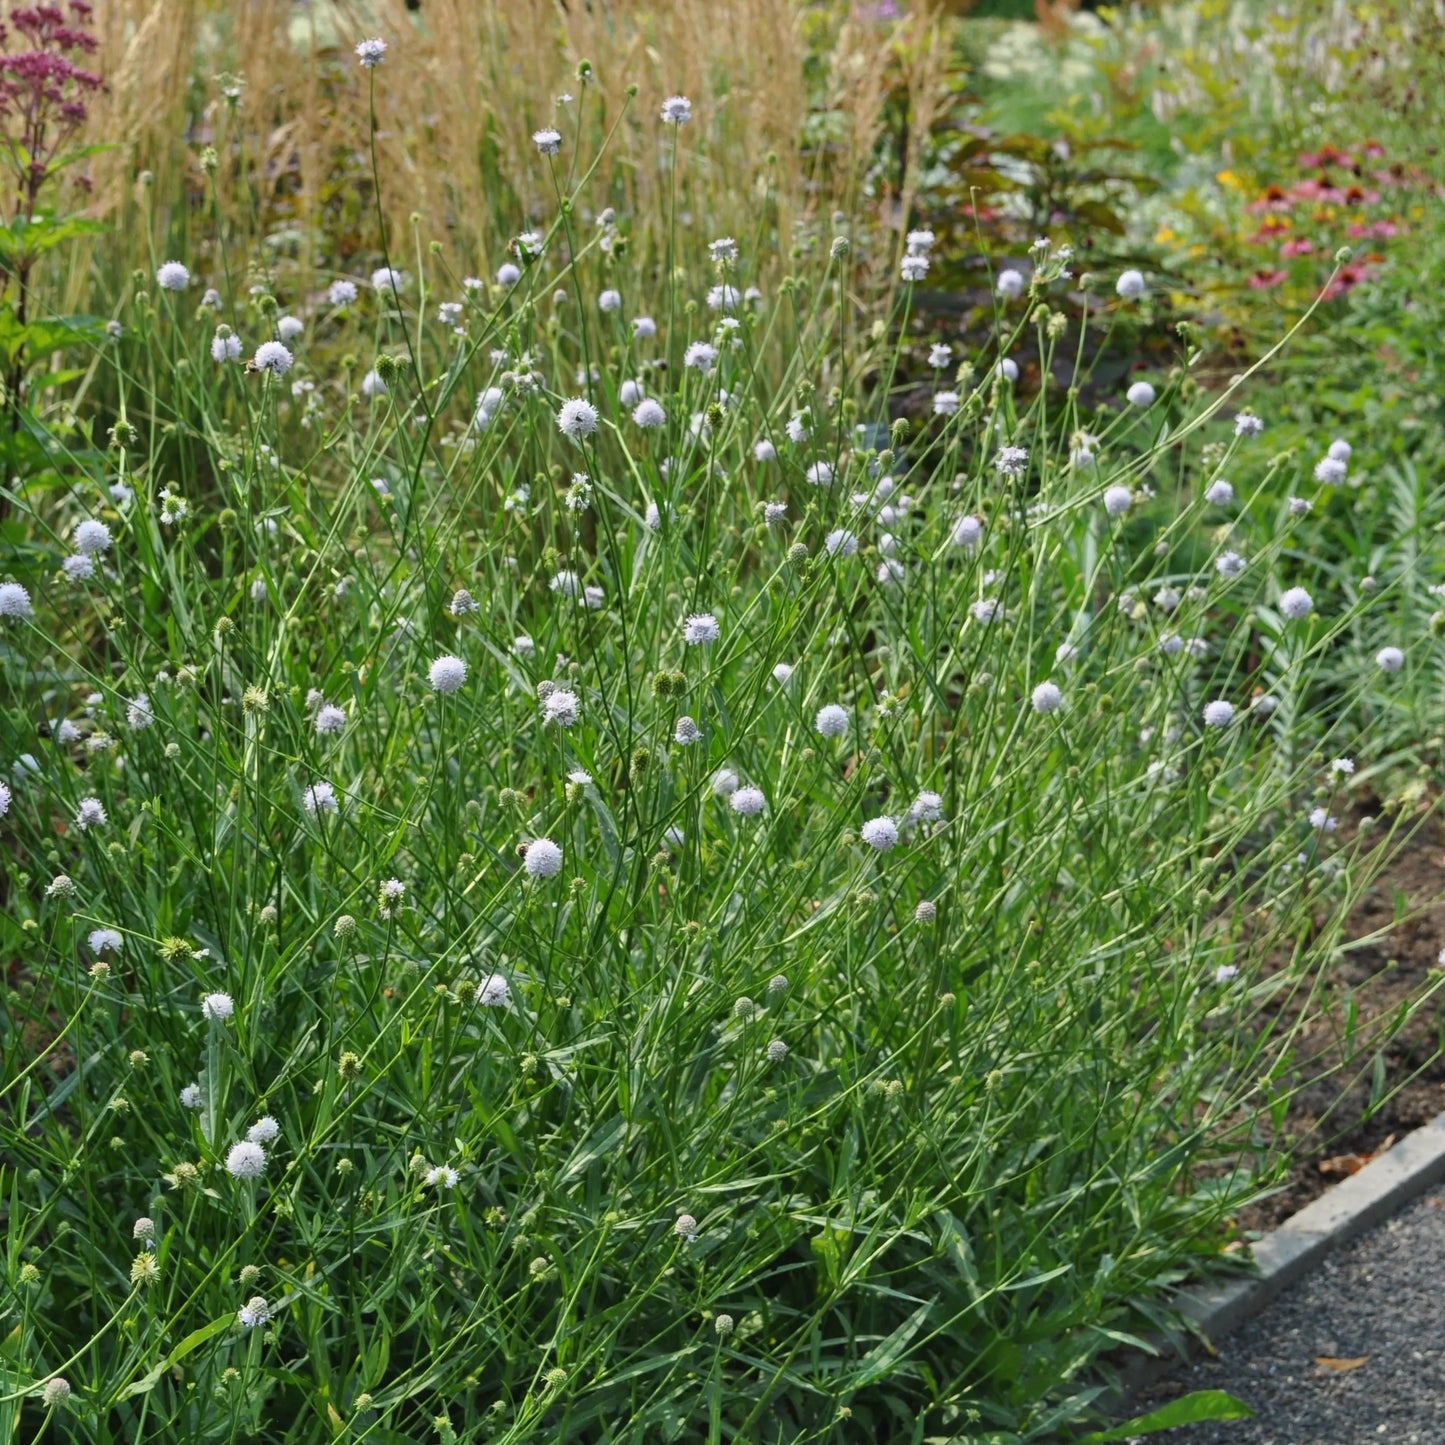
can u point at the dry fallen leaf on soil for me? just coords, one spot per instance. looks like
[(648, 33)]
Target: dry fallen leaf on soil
[(1340, 1367), (1352, 1163)]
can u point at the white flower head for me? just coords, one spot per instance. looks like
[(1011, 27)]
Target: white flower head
[(880, 834), (371, 52), (1130, 285), (676, 110), (272, 357), (448, 673), (577, 419), (246, 1161), (1296, 603), (547, 141), (543, 858), (218, 1007), (494, 992), (701, 629), (172, 276), (1047, 698), (1218, 714)]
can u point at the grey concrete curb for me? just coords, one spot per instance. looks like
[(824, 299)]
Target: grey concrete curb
[(1298, 1246)]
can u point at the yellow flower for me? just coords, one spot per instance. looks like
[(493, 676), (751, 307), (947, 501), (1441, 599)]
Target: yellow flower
[(1230, 179)]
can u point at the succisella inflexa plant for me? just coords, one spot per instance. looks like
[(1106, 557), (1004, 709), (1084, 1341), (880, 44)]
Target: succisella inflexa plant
[(572, 878)]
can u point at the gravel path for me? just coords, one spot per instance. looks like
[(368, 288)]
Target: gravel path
[(1382, 1299)]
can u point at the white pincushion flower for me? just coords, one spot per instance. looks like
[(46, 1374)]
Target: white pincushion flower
[(1130, 285), (562, 707), (388, 279), (1331, 471), (78, 568), (272, 357), (1117, 500), (256, 1312), (1140, 394), (749, 802), (1340, 450), (494, 991), (880, 834), (919, 243), (783, 673), (320, 797), (225, 345), (192, 1097), (701, 629), (631, 392), (725, 248), (940, 354), (649, 413), (104, 940), (723, 298), (1322, 820), (1011, 461), (913, 268), (966, 531), (172, 276), (330, 719), (288, 328), (700, 356), (1218, 714), (218, 1006), (55, 1392), (508, 274), (945, 403), (610, 301), (246, 1160), (463, 604), (543, 858), (1010, 284), (685, 1227), (1047, 698), (840, 542), (644, 328), (1246, 424), (1343, 767), (1008, 368), (548, 141), (1229, 565), (92, 537), (986, 609), (341, 293), (676, 110), (775, 513), (797, 428), (90, 814), (724, 783), (373, 386), (264, 1131), (371, 52), (1219, 494), (1295, 603), (442, 1176), (448, 673), (685, 732), (820, 474), (927, 807), (1390, 659), (139, 714), (832, 720), (577, 419), (566, 584)]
